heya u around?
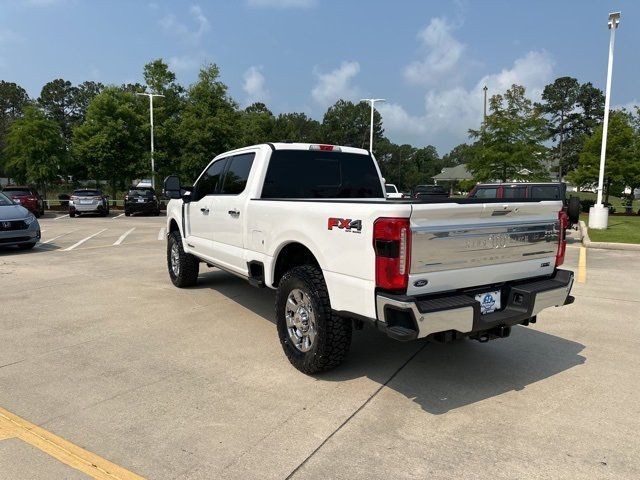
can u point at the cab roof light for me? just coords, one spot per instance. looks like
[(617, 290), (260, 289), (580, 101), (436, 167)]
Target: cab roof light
[(325, 148)]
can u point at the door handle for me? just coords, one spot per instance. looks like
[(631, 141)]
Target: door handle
[(234, 213), (204, 210)]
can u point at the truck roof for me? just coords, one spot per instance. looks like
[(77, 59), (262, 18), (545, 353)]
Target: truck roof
[(299, 146)]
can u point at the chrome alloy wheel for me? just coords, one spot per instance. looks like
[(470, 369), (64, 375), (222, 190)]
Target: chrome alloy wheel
[(175, 259), (301, 321)]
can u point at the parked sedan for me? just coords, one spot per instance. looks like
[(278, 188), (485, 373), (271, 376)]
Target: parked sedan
[(18, 226), (28, 197), (88, 201), (141, 199)]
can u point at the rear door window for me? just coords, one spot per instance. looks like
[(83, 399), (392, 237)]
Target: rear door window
[(235, 180), (321, 174), (516, 193), (486, 193)]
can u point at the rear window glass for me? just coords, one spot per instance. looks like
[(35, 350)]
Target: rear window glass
[(545, 192), (11, 191), (321, 174), (390, 189), (87, 193), (144, 192), (486, 193)]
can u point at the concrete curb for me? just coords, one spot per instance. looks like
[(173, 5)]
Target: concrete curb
[(587, 243)]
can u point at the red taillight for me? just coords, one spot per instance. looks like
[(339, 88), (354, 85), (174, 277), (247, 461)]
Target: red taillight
[(392, 244), (563, 223), (325, 148)]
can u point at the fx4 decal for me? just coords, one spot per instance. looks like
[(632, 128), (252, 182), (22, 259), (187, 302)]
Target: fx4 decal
[(345, 224)]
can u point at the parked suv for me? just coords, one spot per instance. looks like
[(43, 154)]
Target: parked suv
[(141, 199), (88, 200), (28, 197)]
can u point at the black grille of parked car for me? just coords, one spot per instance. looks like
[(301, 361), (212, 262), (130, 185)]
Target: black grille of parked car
[(6, 226)]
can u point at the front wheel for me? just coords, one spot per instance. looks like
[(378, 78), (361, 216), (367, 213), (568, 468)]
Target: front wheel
[(313, 338), (183, 267), (26, 246)]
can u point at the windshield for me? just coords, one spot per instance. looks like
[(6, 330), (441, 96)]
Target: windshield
[(87, 193), (391, 189), (4, 201)]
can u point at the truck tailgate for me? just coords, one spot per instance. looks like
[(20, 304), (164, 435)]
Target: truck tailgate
[(459, 245)]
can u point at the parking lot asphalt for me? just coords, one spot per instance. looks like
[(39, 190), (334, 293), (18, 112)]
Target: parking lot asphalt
[(103, 360)]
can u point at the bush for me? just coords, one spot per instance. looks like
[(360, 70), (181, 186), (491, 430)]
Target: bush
[(586, 204)]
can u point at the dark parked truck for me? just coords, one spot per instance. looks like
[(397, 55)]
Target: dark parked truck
[(314, 223)]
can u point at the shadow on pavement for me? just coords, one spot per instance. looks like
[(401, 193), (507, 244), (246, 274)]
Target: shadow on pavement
[(441, 377)]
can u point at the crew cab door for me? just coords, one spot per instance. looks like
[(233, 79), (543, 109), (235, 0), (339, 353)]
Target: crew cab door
[(199, 212), (229, 215)]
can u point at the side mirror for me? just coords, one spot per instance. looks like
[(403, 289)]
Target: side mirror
[(171, 187)]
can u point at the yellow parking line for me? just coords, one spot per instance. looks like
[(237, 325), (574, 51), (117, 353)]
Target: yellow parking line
[(12, 426), (582, 266)]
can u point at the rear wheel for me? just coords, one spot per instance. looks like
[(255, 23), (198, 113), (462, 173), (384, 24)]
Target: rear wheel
[(183, 267), (313, 338), (72, 214), (127, 214)]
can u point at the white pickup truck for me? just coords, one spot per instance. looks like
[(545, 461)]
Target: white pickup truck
[(314, 223)]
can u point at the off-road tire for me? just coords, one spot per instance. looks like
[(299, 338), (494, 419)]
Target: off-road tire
[(333, 338), (189, 265)]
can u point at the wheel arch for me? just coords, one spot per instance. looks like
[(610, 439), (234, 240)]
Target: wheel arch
[(290, 255)]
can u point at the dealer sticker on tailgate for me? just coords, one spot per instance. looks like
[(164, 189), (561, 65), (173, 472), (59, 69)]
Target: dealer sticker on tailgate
[(489, 302)]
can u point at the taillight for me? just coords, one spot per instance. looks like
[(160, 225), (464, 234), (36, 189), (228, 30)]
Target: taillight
[(563, 223), (392, 244), (325, 148)]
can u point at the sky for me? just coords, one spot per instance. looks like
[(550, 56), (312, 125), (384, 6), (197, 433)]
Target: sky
[(428, 59)]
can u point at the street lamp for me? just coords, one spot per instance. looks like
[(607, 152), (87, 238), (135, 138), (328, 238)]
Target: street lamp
[(153, 166), (598, 214), (372, 101)]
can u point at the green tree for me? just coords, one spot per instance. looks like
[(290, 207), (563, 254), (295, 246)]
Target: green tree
[(296, 127), (622, 165), (208, 125), (256, 124), (111, 142), (34, 147), (346, 123), (511, 140), (57, 101), (458, 155), (82, 96), (559, 101), (13, 99)]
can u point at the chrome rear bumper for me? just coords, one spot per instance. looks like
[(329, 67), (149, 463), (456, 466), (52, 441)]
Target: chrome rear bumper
[(407, 318)]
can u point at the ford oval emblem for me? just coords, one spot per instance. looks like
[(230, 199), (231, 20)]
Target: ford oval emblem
[(420, 283)]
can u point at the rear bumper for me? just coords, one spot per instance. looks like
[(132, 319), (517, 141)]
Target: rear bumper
[(406, 318), (141, 207), (91, 208)]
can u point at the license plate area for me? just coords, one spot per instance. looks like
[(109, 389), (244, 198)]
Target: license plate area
[(489, 301)]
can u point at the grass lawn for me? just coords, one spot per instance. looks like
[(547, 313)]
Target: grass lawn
[(622, 229), (617, 202)]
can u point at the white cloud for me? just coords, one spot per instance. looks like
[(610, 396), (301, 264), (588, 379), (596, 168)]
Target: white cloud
[(254, 85), (442, 54), (182, 63), (193, 34), (629, 106), (449, 113), (281, 3), (336, 84)]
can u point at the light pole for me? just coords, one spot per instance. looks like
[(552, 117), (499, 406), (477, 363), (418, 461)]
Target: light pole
[(153, 166), (484, 117), (598, 214), (372, 101)]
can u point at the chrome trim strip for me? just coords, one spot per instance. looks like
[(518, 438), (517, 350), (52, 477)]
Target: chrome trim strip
[(476, 226)]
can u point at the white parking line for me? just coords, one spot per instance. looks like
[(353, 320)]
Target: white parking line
[(84, 240), (161, 233), (123, 236), (55, 238), (61, 216), (118, 216)]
